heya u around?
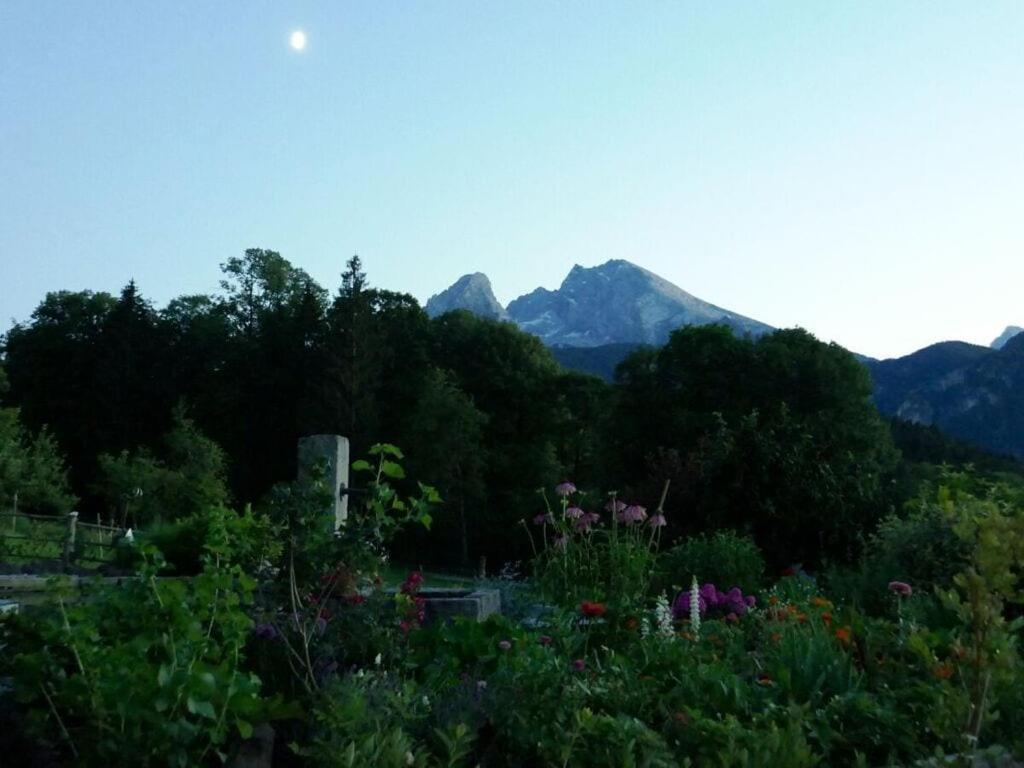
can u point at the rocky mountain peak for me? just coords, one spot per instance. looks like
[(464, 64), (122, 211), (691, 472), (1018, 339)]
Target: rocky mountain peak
[(471, 292), (1011, 330)]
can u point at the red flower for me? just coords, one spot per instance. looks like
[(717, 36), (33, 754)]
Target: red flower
[(594, 610)]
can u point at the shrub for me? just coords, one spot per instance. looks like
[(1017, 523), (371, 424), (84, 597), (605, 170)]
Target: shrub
[(146, 672), (724, 558)]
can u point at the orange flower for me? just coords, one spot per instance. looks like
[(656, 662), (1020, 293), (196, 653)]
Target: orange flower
[(773, 600), (776, 636), (944, 671), (632, 623), (820, 602), (801, 617), (765, 680), (686, 635), (826, 617), (593, 610), (843, 635)]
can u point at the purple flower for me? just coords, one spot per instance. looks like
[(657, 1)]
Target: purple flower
[(505, 645), (634, 513), (565, 489), (579, 665), (750, 600), (266, 631), (562, 542), (614, 506), (574, 513), (900, 588), (588, 519), (657, 521), (542, 518)]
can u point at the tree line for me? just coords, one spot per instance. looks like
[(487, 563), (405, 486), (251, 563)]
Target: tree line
[(776, 436)]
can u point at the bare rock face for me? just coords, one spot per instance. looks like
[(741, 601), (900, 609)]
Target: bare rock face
[(1000, 341), (615, 303), (470, 292)]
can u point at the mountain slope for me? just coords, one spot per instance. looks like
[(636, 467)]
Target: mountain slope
[(472, 292), (973, 393), (1000, 341), (617, 303)]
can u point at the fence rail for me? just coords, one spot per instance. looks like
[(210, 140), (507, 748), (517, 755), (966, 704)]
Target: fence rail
[(64, 538)]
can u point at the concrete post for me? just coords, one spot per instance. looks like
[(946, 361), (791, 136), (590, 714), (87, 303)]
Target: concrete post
[(332, 450), (69, 541)]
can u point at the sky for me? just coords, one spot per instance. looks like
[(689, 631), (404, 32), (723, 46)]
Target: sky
[(852, 168)]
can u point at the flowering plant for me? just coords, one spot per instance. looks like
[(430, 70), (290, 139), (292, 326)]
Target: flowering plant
[(579, 552), (714, 603)]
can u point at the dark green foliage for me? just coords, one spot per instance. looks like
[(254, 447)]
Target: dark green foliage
[(777, 437), (188, 477), (144, 672), (722, 558), (32, 473)]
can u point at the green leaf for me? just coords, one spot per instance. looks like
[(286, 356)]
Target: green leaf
[(201, 708), (392, 470), (426, 519), (163, 677), (362, 466), (244, 728), (386, 449)]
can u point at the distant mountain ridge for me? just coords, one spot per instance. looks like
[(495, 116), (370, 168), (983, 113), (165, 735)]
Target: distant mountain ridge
[(1000, 341), (617, 302), (970, 392)]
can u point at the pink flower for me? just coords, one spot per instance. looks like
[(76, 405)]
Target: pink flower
[(505, 645), (614, 506), (542, 518), (588, 519), (565, 489), (657, 521), (574, 513), (562, 542), (900, 588), (634, 513)]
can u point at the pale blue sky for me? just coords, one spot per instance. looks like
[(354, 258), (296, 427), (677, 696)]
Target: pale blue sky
[(854, 168)]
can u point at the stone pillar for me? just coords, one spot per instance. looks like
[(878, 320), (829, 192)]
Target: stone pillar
[(332, 450)]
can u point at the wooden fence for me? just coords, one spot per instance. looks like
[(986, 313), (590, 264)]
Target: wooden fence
[(65, 538)]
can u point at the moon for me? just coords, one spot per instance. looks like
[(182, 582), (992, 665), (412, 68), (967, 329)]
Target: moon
[(297, 40)]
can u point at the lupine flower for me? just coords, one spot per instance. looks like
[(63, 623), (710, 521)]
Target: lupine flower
[(694, 606), (579, 665), (663, 616), (574, 513), (505, 645), (900, 588), (565, 489), (657, 521)]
